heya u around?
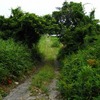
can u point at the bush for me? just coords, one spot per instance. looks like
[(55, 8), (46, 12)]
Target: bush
[(2, 93), (80, 77), (4, 73), (79, 82), (15, 59), (56, 42), (35, 54)]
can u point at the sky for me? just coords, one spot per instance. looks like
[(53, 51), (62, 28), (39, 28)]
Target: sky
[(43, 7)]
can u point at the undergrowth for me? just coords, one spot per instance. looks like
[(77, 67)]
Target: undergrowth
[(15, 60), (80, 74)]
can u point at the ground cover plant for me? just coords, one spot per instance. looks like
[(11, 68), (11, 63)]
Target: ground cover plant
[(41, 80), (15, 60)]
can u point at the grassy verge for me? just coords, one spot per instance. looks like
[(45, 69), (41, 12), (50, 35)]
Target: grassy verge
[(41, 80), (49, 47)]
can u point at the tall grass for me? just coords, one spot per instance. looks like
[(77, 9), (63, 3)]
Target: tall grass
[(15, 60), (49, 47), (41, 80)]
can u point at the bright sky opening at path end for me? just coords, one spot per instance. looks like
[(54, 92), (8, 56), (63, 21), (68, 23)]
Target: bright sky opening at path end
[(43, 7)]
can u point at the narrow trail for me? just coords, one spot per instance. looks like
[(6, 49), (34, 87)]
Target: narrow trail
[(22, 91)]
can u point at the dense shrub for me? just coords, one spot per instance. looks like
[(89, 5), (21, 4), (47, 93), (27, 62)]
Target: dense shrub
[(80, 77), (20, 26), (15, 59), (35, 54), (74, 26), (56, 42)]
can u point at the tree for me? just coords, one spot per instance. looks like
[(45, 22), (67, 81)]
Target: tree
[(74, 25), (24, 27), (50, 25)]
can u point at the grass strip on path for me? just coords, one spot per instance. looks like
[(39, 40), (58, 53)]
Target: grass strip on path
[(41, 80)]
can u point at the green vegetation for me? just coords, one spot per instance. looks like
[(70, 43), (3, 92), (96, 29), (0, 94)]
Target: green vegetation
[(75, 25), (51, 26), (49, 47), (19, 37), (41, 80), (23, 27), (23, 42), (80, 57), (13, 62), (80, 75), (2, 93)]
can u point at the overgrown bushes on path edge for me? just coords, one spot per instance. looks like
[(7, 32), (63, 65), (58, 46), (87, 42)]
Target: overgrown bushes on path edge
[(15, 60), (80, 74)]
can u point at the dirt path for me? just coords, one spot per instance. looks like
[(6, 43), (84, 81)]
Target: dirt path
[(53, 93), (22, 91)]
